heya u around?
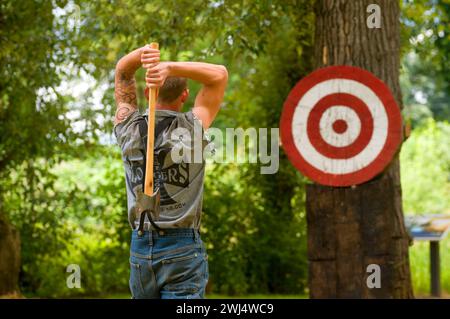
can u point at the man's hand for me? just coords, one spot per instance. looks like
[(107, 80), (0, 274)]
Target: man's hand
[(149, 57), (157, 71), (157, 74)]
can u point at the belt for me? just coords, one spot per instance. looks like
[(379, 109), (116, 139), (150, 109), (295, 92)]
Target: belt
[(171, 232), (147, 226), (143, 225)]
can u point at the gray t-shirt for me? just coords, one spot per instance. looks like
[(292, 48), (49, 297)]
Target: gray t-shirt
[(177, 173)]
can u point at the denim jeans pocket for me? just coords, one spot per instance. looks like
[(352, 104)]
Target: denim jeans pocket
[(176, 259), (136, 287), (185, 274)]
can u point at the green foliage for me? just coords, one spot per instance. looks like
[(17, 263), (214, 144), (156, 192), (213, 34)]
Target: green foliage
[(425, 161), (425, 169), (426, 42), (28, 56), (248, 251), (425, 174), (80, 220), (271, 244)]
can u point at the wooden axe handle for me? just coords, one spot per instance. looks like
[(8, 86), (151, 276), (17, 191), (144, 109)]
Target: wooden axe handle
[(152, 95)]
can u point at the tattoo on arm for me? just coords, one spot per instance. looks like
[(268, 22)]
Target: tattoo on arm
[(125, 94), (123, 111)]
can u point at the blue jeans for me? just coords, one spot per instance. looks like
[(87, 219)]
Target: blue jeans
[(171, 264)]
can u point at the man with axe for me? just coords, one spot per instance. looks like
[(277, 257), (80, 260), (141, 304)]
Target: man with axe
[(167, 256)]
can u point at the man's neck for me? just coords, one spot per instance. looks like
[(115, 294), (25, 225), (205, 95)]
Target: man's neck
[(175, 108)]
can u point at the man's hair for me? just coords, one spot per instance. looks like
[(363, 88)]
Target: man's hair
[(171, 89)]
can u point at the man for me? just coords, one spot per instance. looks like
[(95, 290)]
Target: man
[(167, 259)]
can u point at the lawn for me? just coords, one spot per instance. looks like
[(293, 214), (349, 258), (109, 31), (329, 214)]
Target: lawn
[(420, 271)]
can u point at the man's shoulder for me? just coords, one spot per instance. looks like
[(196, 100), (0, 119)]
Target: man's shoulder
[(121, 128), (186, 120), (124, 115)]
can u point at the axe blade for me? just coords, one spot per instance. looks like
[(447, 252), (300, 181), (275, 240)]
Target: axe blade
[(148, 203)]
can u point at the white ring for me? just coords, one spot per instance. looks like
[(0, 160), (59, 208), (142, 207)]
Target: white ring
[(346, 114), (339, 166)]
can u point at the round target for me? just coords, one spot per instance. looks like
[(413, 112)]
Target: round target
[(340, 126)]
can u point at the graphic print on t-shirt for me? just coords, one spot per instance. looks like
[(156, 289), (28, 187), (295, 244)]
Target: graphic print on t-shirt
[(169, 176), (137, 171)]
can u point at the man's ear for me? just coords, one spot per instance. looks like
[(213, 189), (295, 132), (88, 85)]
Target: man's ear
[(184, 95)]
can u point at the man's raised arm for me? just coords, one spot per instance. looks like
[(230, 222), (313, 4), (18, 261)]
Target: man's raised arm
[(213, 77), (125, 82)]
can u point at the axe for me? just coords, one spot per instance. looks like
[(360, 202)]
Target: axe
[(148, 202)]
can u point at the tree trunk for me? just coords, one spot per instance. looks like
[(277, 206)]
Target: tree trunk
[(351, 228), (9, 258)]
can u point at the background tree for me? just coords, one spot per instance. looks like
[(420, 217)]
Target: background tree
[(28, 56), (350, 228)]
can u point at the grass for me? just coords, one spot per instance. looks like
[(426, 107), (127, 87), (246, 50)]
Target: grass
[(420, 271)]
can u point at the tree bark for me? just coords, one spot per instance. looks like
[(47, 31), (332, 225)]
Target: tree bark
[(351, 228), (9, 258)]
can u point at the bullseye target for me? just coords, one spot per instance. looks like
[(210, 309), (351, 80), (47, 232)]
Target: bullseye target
[(340, 126)]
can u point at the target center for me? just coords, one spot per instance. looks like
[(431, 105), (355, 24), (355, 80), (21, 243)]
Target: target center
[(340, 126)]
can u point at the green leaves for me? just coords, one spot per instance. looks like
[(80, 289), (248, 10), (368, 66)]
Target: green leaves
[(425, 159), (425, 46)]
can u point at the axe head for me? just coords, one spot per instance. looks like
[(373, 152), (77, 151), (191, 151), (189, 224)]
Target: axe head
[(151, 203)]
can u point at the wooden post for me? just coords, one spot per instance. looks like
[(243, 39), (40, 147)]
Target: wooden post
[(435, 269)]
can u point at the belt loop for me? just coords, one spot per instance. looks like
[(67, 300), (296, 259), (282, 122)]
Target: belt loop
[(141, 224), (196, 235), (150, 237)]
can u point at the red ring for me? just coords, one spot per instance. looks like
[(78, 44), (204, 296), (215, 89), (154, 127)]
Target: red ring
[(394, 134), (313, 126)]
